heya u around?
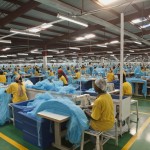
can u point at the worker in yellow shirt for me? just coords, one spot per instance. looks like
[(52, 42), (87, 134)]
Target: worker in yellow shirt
[(62, 77), (18, 90), (110, 76), (37, 73), (77, 74), (2, 77), (102, 114), (127, 88)]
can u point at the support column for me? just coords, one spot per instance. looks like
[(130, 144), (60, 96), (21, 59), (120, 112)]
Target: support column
[(80, 61), (44, 53)]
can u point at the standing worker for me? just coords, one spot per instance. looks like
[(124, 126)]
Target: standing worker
[(18, 90), (110, 76), (62, 77)]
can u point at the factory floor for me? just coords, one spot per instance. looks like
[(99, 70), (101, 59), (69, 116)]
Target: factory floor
[(11, 138)]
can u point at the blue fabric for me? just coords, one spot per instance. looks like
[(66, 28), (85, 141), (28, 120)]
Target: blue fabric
[(137, 80), (4, 110), (78, 121)]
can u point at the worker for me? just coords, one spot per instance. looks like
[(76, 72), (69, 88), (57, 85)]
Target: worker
[(62, 77), (68, 71), (110, 76), (37, 73), (2, 77), (77, 74), (51, 73), (83, 69), (102, 114), (127, 88), (18, 90)]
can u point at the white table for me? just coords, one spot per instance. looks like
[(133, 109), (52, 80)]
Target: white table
[(58, 119)]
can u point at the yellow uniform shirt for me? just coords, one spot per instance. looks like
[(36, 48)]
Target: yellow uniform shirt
[(63, 79), (127, 88), (13, 89), (77, 75), (102, 113), (110, 77), (51, 73), (5, 73), (2, 78), (36, 73)]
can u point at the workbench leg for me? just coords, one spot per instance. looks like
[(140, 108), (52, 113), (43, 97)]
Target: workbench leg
[(57, 134)]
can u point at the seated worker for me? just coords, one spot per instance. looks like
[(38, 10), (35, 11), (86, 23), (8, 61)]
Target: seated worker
[(102, 115), (127, 88), (37, 73), (62, 77), (18, 90), (83, 69), (2, 77), (68, 71), (51, 73), (77, 74), (110, 76)]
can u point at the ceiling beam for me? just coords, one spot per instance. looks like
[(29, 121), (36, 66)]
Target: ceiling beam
[(21, 10), (59, 5)]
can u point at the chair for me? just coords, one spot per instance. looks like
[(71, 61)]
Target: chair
[(101, 137)]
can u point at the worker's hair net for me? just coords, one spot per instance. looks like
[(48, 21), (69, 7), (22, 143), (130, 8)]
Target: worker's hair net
[(101, 84)]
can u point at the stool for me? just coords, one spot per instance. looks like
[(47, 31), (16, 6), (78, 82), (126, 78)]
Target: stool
[(97, 134), (101, 137), (137, 111)]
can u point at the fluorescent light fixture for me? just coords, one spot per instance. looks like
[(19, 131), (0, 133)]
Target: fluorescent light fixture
[(106, 2), (34, 30), (5, 41), (88, 36), (128, 54), (138, 42), (60, 52), (76, 48), (80, 38), (85, 56), (34, 52), (3, 56), (22, 54), (50, 56), (6, 49), (91, 53), (46, 25), (53, 50), (99, 45), (114, 42), (112, 55), (145, 26), (72, 20), (106, 43), (24, 32), (109, 52), (135, 21), (12, 55), (131, 51)]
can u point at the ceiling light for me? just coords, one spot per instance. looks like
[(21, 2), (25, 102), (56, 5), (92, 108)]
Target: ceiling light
[(53, 50), (5, 41), (24, 32), (105, 2), (109, 52), (131, 51), (91, 53), (138, 42), (80, 38), (76, 48), (22, 54), (106, 43), (135, 21), (34, 30), (112, 55), (72, 20), (60, 52), (50, 56), (35, 52), (101, 45), (128, 54), (6, 49), (145, 26), (12, 55), (88, 36), (114, 42), (46, 25), (3, 55)]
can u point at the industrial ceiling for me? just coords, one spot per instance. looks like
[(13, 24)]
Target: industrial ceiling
[(103, 22)]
